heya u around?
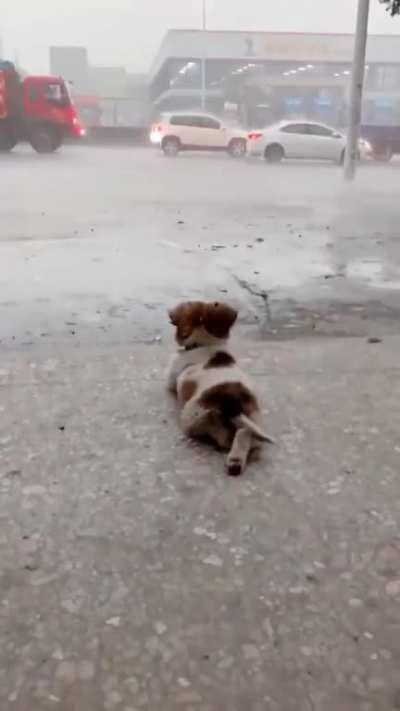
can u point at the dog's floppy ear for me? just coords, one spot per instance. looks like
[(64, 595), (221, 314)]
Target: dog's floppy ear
[(174, 315), (189, 314), (219, 319)]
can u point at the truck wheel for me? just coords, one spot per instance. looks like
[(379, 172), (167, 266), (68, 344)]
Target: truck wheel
[(7, 141), (44, 139)]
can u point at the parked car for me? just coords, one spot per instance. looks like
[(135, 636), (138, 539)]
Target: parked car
[(301, 139), (197, 132)]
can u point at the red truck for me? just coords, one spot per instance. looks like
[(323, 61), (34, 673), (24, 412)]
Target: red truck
[(37, 109)]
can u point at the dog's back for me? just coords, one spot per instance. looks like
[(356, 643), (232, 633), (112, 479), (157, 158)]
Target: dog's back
[(217, 398)]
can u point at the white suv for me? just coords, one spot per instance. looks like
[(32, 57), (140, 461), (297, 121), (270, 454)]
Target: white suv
[(199, 132)]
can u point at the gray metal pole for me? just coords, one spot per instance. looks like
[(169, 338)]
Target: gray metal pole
[(357, 83), (203, 59)]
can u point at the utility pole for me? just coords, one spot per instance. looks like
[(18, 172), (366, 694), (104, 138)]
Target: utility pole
[(203, 57), (357, 83)]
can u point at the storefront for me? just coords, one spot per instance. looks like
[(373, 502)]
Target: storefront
[(267, 76)]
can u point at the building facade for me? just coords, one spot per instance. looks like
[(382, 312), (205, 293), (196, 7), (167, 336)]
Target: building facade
[(263, 77), (72, 64)]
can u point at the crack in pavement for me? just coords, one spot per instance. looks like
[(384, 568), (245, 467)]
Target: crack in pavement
[(246, 286)]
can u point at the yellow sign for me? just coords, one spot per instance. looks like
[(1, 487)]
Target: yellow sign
[(300, 47)]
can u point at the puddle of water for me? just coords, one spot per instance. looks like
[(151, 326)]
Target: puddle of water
[(370, 271), (284, 262), (375, 273)]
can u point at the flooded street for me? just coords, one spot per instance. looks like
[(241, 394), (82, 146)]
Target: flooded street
[(135, 575), (105, 239)]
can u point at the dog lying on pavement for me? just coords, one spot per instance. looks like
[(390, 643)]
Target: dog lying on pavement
[(216, 397)]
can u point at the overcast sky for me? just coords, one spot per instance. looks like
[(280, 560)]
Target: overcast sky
[(129, 32)]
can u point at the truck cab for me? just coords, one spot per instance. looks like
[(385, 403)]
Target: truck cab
[(50, 112), (37, 109)]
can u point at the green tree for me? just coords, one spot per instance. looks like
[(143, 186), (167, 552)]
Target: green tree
[(392, 6)]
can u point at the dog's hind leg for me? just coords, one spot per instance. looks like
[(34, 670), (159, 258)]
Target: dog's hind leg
[(239, 454), (199, 422), (219, 432)]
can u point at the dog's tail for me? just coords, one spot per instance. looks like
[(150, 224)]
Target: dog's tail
[(244, 421), (235, 402)]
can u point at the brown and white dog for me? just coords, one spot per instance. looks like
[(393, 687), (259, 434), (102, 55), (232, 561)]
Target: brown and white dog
[(216, 397)]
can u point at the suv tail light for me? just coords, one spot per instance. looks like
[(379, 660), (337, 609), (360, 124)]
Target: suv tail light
[(157, 128), (254, 136)]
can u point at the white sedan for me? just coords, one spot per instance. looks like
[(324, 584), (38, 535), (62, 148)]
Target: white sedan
[(301, 139)]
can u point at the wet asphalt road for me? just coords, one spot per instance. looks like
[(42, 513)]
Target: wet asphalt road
[(134, 574), (96, 243)]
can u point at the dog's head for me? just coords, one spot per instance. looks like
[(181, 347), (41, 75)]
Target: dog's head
[(200, 324)]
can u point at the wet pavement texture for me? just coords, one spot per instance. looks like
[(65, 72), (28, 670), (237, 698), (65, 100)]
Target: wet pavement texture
[(134, 575), (96, 242)]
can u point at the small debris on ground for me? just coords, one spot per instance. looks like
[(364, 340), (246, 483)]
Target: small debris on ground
[(312, 578), (114, 622), (13, 473), (374, 340)]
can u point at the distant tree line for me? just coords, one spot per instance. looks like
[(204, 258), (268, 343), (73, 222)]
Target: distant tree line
[(392, 6)]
